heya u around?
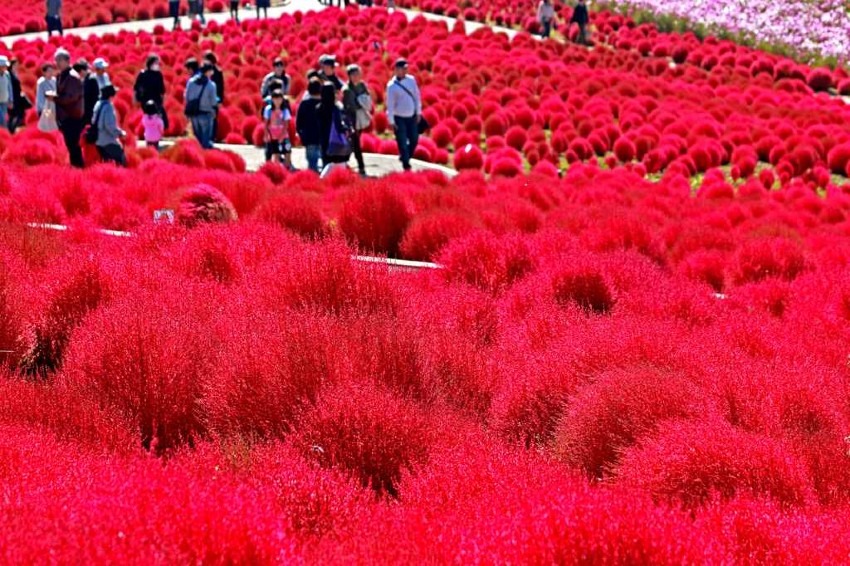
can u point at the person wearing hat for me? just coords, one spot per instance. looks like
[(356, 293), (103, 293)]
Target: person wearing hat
[(276, 80), (53, 17), (404, 111), (327, 71), (109, 135), (69, 106), (201, 103), (357, 103), (100, 75), (7, 97)]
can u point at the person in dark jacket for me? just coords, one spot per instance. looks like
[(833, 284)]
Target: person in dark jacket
[(581, 18), (20, 102), (357, 103), (330, 113), (218, 79), (151, 86), (53, 17), (327, 71), (91, 89), (69, 106), (307, 124)]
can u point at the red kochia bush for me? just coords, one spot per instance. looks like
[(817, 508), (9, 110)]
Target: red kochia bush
[(584, 286), (203, 203), (761, 258), (618, 409), (368, 432), (295, 211), (692, 461), (427, 234), (375, 216), (839, 158), (486, 261), (146, 356)]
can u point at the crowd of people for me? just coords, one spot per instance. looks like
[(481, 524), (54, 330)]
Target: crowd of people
[(329, 118)]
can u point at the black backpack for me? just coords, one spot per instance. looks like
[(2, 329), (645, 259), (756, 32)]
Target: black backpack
[(92, 131)]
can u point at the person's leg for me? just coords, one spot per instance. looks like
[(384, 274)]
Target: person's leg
[(164, 116), (208, 130), (4, 115), (582, 34), (113, 153), (401, 139), (413, 137), (269, 151), (313, 152), (358, 152), (71, 131)]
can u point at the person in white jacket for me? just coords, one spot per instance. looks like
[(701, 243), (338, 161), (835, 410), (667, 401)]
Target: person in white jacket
[(404, 111)]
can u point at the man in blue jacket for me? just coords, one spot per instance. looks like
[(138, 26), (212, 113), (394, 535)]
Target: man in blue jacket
[(201, 101)]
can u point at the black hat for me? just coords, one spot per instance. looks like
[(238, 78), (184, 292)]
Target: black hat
[(108, 91), (401, 63), (207, 67), (327, 60)]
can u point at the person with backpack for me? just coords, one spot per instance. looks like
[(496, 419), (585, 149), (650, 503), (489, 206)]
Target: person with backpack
[(546, 16), (201, 102), (307, 124), (357, 103), (53, 17), (404, 111), (150, 85), (276, 117), (69, 106), (581, 18), (277, 79), (336, 147), (105, 131)]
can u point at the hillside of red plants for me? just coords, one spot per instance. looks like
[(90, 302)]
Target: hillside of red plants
[(501, 105), (605, 369)]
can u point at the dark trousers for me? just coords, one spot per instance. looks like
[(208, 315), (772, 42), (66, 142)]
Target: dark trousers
[(54, 23), (547, 28), (582, 34), (72, 129), (114, 153), (407, 138), (358, 151)]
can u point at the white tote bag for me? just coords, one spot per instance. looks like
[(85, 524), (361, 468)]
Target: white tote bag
[(47, 120)]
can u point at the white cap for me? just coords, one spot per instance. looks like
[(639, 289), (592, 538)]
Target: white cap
[(4, 61), (100, 64)]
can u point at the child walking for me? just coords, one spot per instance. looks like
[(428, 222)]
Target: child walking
[(277, 116), (153, 124)]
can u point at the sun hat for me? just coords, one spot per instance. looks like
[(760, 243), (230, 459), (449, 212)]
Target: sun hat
[(101, 64)]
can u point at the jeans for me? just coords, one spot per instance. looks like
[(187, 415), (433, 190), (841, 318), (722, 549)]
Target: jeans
[(202, 127), (407, 137), (313, 154), (547, 28), (114, 153), (358, 151), (582, 34), (4, 114), (72, 129)]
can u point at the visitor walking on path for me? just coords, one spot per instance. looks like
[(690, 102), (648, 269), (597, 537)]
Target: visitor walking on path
[(357, 103), (196, 10), (100, 75), (46, 83), (404, 111), (91, 89), (174, 12), (581, 18), (53, 17), (234, 10), (218, 80), (546, 16), (264, 6), (336, 149), (201, 102), (154, 128), (276, 117), (327, 71), (69, 106), (150, 85), (277, 79), (307, 124), (7, 96), (20, 102), (109, 135)]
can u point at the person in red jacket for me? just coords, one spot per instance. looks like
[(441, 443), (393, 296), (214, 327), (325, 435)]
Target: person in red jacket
[(69, 106)]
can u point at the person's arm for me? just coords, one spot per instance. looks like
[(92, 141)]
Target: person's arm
[(109, 122), (211, 94), (264, 86), (299, 120), (540, 11), (390, 105), (267, 119), (418, 98)]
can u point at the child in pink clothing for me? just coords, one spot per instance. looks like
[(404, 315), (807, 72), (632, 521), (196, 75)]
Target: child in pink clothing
[(152, 122)]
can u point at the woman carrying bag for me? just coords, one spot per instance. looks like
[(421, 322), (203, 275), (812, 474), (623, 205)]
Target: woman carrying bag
[(47, 119), (336, 146), (357, 103)]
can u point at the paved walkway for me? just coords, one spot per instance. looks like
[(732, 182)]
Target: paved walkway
[(377, 165)]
